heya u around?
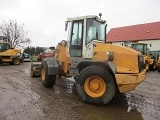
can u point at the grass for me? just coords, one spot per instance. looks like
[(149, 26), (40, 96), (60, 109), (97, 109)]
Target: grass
[(33, 58)]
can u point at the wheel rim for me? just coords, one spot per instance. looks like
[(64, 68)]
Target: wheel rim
[(43, 74), (17, 62), (95, 86)]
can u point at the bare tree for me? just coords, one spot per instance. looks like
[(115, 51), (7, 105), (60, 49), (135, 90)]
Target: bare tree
[(15, 33)]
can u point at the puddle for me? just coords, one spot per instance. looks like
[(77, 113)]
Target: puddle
[(70, 88), (124, 107), (109, 112)]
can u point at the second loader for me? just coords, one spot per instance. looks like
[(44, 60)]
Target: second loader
[(99, 69), (156, 57), (158, 64), (150, 63), (8, 54)]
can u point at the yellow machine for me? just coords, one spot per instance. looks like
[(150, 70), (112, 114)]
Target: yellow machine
[(8, 54), (99, 69), (155, 55), (150, 63), (158, 64)]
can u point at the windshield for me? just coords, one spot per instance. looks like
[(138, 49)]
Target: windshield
[(4, 46), (140, 47), (95, 31)]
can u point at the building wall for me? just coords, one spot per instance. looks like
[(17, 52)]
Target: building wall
[(155, 44)]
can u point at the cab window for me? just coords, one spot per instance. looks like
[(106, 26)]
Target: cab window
[(95, 31), (76, 39), (4, 46)]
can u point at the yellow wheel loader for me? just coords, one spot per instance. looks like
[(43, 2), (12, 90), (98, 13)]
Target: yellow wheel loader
[(158, 64), (155, 55), (99, 69), (8, 54), (150, 63)]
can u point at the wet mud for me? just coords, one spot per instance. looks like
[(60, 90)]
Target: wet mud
[(25, 98)]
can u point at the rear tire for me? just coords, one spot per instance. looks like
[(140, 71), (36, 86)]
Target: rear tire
[(158, 69), (95, 85), (47, 80), (153, 66), (16, 61)]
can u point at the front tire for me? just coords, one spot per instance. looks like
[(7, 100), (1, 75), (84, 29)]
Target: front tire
[(47, 80), (16, 61), (95, 85)]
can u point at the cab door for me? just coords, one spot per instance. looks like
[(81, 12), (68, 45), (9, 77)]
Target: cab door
[(76, 41)]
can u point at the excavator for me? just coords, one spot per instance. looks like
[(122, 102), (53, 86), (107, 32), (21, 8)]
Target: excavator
[(150, 63), (8, 54), (100, 69)]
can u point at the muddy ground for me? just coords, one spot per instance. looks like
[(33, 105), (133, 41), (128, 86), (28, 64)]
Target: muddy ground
[(24, 98)]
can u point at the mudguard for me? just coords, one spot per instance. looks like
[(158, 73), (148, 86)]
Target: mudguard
[(112, 66), (76, 68), (53, 67)]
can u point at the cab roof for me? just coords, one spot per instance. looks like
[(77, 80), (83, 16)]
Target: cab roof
[(86, 17)]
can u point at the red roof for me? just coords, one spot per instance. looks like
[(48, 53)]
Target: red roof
[(148, 31)]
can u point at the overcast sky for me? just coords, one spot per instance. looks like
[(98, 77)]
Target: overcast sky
[(45, 19)]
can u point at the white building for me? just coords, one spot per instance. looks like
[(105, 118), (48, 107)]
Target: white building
[(147, 33)]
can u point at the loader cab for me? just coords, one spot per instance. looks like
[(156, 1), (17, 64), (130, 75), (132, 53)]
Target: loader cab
[(82, 31), (140, 47), (4, 46)]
